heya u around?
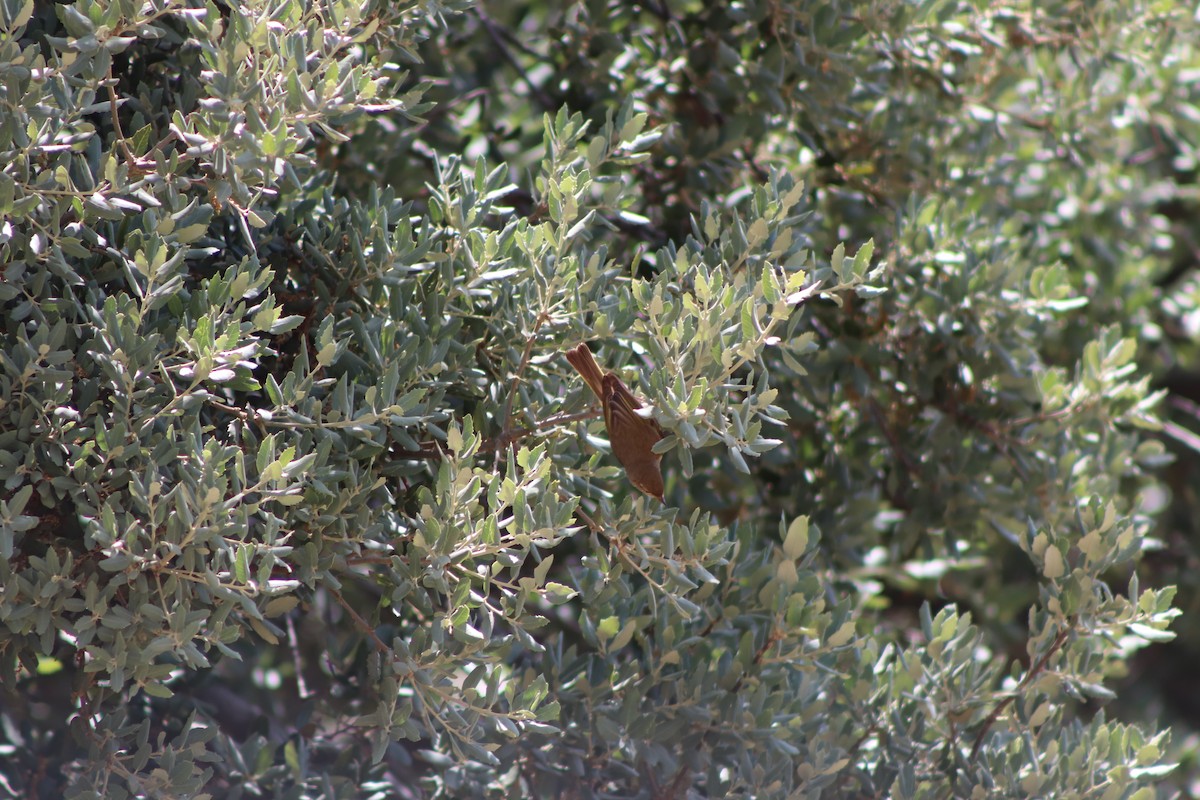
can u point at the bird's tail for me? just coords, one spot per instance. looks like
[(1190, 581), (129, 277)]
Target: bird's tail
[(583, 362)]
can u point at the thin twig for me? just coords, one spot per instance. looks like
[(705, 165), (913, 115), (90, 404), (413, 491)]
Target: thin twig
[(502, 441), (361, 623), (506, 431), (136, 165), (297, 661), (1034, 671), (116, 120), (497, 36)]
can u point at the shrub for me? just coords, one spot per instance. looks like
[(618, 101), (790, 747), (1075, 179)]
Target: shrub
[(301, 498)]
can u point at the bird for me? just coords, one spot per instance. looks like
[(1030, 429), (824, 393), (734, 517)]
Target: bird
[(632, 436)]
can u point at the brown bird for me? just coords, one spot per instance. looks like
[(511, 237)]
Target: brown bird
[(632, 435)]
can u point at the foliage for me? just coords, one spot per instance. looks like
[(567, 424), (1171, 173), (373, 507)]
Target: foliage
[(299, 497)]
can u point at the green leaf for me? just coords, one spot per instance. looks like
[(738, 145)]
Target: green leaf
[(796, 540)]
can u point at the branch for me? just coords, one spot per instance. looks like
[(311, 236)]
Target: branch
[(498, 37), (1034, 671)]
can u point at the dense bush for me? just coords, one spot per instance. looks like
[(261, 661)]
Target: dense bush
[(300, 497)]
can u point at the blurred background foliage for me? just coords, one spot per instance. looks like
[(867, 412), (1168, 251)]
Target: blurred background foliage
[(300, 498)]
